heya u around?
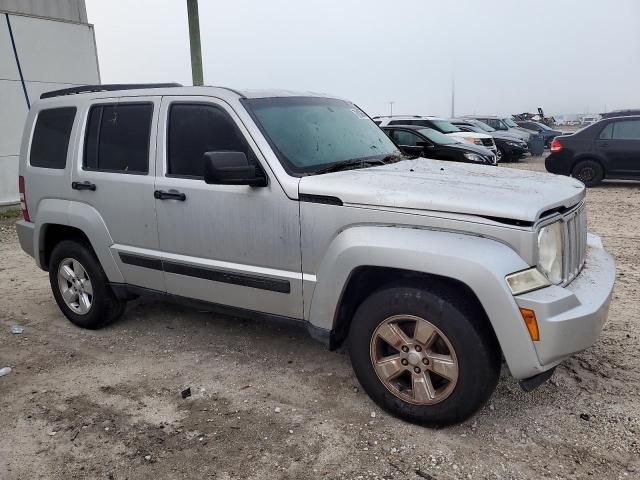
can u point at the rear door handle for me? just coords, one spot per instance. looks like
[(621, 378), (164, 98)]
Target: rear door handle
[(83, 186), (604, 144), (170, 195)]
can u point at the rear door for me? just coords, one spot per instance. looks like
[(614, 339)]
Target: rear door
[(115, 174), (619, 142)]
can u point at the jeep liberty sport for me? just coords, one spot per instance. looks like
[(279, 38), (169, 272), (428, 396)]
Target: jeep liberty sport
[(297, 206)]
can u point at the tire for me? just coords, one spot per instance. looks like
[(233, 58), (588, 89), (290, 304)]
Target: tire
[(74, 268), (461, 339), (588, 172), (500, 155)]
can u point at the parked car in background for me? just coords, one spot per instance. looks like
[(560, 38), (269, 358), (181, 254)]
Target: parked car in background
[(587, 120), (430, 143), (441, 125), (547, 133), (509, 147), (505, 124), (609, 148)]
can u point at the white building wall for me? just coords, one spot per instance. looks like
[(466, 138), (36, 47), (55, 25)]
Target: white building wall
[(52, 55)]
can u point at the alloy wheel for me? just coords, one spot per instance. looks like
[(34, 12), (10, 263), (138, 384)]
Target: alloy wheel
[(75, 286), (414, 359)]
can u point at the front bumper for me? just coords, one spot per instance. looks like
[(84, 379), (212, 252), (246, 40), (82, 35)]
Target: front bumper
[(570, 318)]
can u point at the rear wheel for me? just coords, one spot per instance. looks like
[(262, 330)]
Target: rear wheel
[(422, 355), (588, 172), (80, 286)]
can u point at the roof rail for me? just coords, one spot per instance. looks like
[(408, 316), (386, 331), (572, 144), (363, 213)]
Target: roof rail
[(106, 88)]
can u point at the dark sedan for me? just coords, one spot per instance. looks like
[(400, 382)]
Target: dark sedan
[(418, 140), (606, 149), (547, 133), (509, 147)]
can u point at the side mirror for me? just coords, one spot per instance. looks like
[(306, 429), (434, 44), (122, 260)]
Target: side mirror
[(412, 149), (231, 168)]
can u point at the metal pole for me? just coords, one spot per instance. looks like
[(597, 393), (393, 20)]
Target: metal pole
[(194, 41), (391, 109)]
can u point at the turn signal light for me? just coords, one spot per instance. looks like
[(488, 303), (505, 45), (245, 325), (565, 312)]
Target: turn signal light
[(529, 317), (556, 146)]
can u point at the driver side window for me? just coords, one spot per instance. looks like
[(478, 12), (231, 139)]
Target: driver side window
[(407, 139), (195, 129)]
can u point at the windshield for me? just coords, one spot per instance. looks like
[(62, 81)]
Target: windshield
[(445, 127), (510, 123), (310, 133), (437, 137), (484, 126)]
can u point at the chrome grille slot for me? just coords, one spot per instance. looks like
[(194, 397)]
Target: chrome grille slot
[(575, 238)]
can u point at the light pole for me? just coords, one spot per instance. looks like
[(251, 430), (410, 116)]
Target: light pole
[(391, 108), (194, 42)]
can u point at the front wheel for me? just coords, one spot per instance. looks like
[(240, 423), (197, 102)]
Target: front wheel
[(80, 286), (423, 355), (500, 156)]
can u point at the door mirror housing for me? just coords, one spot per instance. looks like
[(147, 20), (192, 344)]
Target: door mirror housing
[(231, 168)]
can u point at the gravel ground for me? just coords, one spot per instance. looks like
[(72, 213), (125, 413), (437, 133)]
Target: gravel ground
[(268, 402)]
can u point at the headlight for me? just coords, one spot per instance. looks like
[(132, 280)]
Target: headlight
[(474, 157), (526, 281), (516, 144), (550, 249)]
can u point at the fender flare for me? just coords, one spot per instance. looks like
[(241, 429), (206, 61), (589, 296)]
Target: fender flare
[(479, 263), (84, 217)]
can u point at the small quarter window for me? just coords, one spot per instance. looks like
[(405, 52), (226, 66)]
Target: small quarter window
[(195, 129), (51, 138), (607, 132), (117, 138)]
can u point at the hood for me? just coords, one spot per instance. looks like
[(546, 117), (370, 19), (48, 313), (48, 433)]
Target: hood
[(502, 135), (468, 135), (434, 185)]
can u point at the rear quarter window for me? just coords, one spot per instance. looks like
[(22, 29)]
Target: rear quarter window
[(51, 135)]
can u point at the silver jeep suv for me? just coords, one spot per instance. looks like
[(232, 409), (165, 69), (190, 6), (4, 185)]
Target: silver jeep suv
[(298, 206)]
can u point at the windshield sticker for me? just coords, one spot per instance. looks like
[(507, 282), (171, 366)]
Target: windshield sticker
[(359, 113)]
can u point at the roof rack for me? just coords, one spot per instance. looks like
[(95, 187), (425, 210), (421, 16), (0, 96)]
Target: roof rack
[(106, 88)]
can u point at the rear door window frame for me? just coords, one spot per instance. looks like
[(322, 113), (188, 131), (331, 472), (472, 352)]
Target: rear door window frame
[(150, 160)]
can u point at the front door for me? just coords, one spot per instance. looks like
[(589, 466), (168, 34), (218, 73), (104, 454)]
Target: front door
[(619, 142), (233, 245), (115, 176)]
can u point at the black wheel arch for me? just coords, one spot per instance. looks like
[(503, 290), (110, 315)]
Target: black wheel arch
[(365, 280)]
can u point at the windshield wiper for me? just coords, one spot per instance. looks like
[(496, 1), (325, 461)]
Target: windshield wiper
[(349, 164)]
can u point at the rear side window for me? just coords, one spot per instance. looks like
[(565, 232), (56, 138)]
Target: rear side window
[(195, 129), (117, 138), (626, 130), (51, 138)]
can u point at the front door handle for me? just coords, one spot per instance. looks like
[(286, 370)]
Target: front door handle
[(604, 144), (83, 186), (170, 195)]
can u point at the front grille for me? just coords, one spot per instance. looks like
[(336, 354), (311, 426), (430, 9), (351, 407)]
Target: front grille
[(487, 142), (575, 240)]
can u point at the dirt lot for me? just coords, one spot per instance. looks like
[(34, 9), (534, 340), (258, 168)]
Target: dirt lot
[(107, 404)]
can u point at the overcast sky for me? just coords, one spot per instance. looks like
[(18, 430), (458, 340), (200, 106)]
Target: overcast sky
[(507, 56)]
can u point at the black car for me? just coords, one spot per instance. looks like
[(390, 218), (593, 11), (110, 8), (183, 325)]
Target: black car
[(509, 146), (418, 140), (547, 133), (606, 149)]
